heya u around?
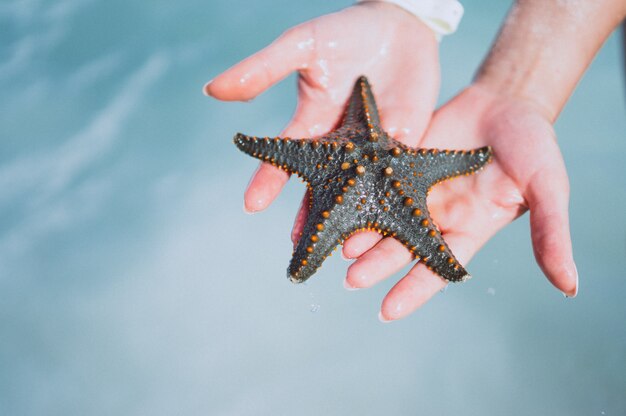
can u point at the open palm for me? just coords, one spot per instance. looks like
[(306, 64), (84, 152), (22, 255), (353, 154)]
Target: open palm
[(527, 172), (329, 53)]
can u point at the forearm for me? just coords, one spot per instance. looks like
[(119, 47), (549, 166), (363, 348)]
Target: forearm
[(545, 46)]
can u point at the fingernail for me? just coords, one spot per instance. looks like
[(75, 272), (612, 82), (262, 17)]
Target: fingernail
[(246, 210), (205, 89), (382, 319), (575, 292), (348, 286), (252, 206), (576, 270)]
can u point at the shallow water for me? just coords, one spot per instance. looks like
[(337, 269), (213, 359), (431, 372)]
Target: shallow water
[(132, 283)]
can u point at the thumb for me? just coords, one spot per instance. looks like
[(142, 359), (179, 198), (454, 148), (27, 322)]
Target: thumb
[(548, 198)]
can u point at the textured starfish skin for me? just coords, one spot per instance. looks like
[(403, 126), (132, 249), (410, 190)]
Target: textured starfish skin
[(362, 179)]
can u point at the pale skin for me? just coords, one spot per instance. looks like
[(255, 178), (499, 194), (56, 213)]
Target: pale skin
[(540, 54)]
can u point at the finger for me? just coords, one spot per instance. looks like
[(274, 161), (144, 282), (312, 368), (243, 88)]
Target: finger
[(268, 180), (359, 243), (411, 292), (303, 213), (385, 259), (255, 74), (265, 185), (421, 284), (548, 196)]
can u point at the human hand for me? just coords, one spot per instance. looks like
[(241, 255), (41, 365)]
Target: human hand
[(527, 172), (519, 91), (397, 52)]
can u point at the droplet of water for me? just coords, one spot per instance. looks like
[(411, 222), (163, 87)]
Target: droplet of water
[(314, 305), (244, 79)]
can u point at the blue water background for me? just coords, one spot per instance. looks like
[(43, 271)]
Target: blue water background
[(132, 283)]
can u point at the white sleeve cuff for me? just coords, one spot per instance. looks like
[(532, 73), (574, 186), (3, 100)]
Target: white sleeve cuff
[(442, 16)]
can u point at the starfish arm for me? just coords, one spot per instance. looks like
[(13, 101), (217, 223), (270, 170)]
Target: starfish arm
[(299, 156), (314, 160), (437, 165), (411, 224), (362, 110), (331, 220), (424, 240)]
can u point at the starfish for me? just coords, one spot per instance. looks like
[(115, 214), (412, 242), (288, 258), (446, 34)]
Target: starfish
[(360, 178)]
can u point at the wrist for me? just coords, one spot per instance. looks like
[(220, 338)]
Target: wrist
[(518, 87), (492, 105)]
